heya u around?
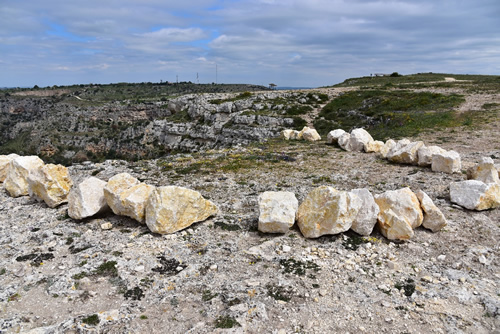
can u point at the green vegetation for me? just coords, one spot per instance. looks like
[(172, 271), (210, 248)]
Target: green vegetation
[(91, 320), (297, 267), (390, 114), (279, 292), (408, 286), (242, 96), (107, 269), (226, 322), (207, 295)]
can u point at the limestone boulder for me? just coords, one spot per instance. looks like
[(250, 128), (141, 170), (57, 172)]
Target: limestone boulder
[(4, 164), (50, 184), (126, 196), (344, 141), (484, 171), (400, 213), (359, 139), (286, 134), (87, 199), (301, 132), (405, 152), (16, 182), (277, 211), (388, 146), (425, 154), (311, 135), (434, 219), (333, 136), (475, 195), (326, 210), (171, 208), (446, 162), (375, 146), (367, 216)]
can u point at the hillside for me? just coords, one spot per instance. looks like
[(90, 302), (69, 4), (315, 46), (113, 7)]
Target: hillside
[(222, 275)]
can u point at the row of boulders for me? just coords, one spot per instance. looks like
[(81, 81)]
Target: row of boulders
[(163, 209), (306, 133), (326, 210), (402, 151)]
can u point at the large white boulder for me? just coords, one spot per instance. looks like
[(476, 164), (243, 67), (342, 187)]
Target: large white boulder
[(326, 210), (277, 211), (425, 154), (87, 199), (333, 136), (484, 171), (127, 196), (475, 195), (301, 132), (405, 152), (16, 182), (359, 139), (170, 209), (400, 213), (434, 219), (366, 219), (388, 146), (311, 135), (4, 164), (344, 141), (446, 162), (50, 183)]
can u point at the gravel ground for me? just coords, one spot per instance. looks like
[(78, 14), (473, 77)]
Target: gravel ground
[(58, 275)]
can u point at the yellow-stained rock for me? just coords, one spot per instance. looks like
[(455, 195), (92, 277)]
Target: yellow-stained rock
[(171, 208), (475, 195), (51, 184), (374, 146), (16, 182), (326, 210), (434, 219), (400, 212), (126, 196), (405, 152), (277, 210), (4, 164)]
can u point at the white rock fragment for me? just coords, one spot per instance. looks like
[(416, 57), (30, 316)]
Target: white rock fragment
[(425, 154), (359, 139), (446, 162), (50, 184), (326, 210), (475, 195), (106, 226), (310, 135), (405, 152), (126, 196), (333, 136), (171, 209), (16, 182), (484, 171), (399, 214), (375, 146), (434, 219), (368, 213), (87, 199), (277, 211), (4, 164), (289, 134)]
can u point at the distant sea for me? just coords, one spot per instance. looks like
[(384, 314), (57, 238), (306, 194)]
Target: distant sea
[(292, 88)]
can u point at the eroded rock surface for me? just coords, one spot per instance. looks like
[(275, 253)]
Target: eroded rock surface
[(277, 211), (475, 195), (87, 199), (434, 219), (16, 182), (50, 184)]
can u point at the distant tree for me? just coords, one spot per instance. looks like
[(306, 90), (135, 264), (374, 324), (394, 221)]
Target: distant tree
[(35, 87), (395, 74), (272, 86)]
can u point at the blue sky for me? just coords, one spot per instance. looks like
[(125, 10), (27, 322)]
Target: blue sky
[(291, 43)]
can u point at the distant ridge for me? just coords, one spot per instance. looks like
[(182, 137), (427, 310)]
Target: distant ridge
[(292, 88)]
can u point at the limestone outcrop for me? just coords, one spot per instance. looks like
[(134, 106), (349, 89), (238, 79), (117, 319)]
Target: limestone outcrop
[(50, 184), (16, 182), (475, 195), (171, 208), (400, 213), (126, 196), (87, 199), (326, 210), (277, 211)]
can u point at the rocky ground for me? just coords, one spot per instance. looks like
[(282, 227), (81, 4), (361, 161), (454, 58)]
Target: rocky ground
[(223, 276)]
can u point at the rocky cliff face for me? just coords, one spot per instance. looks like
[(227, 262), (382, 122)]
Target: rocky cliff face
[(68, 128)]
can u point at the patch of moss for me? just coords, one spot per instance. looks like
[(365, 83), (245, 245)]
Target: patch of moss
[(107, 268), (92, 320), (168, 267), (353, 242), (134, 294), (35, 258), (227, 227), (297, 267), (279, 292), (226, 322), (207, 295), (408, 286)]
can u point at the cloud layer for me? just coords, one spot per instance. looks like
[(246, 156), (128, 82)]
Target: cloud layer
[(287, 42)]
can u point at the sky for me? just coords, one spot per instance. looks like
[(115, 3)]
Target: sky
[(287, 42)]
